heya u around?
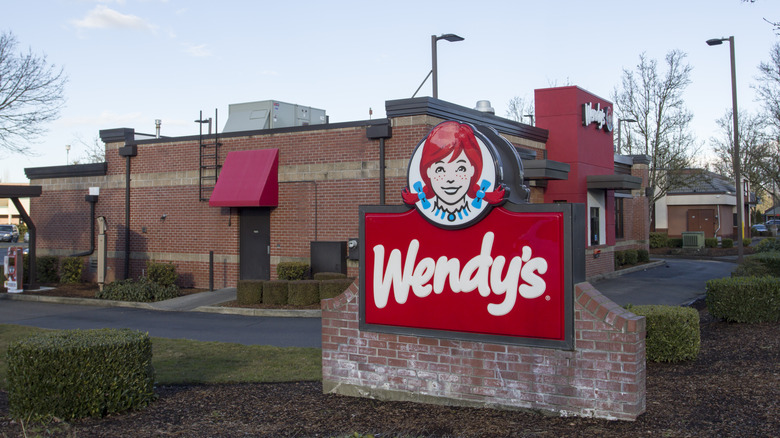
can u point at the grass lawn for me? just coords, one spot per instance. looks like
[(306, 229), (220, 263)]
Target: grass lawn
[(178, 361)]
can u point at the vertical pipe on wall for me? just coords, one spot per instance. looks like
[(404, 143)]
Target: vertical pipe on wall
[(382, 171), (127, 217)]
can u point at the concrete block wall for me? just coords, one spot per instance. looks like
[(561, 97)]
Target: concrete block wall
[(603, 377)]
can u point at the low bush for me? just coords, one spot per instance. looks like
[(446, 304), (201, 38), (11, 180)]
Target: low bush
[(759, 265), (744, 299), (141, 290), (329, 276), (727, 243), (746, 243), (710, 242), (673, 333), (620, 258), (292, 270), (163, 274), (48, 268), (632, 257), (275, 292), (70, 271), (249, 292), (79, 373), (659, 240), (334, 288), (767, 245), (303, 293), (675, 243), (644, 255)]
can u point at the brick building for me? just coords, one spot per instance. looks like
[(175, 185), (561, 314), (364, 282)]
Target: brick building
[(303, 184)]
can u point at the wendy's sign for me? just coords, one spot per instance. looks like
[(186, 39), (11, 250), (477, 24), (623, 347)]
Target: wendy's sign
[(459, 261)]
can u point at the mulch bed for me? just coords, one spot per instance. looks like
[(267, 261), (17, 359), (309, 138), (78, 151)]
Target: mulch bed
[(731, 389)]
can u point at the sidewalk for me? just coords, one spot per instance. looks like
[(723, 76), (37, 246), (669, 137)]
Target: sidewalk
[(200, 302)]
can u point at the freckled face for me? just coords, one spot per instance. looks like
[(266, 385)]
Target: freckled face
[(450, 178)]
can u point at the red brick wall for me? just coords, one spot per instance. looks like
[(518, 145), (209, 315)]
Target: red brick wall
[(603, 377)]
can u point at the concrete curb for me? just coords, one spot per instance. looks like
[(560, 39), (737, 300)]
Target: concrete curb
[(615, 274), (275, 313)]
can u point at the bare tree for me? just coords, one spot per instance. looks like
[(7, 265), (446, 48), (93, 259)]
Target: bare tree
[(768, 87), (755, 149), (31, 94), (95, 151), (655, 100), (519, 108)]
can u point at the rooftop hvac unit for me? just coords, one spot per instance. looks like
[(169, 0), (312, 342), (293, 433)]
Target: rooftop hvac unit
[(270, 114), (693, 239)]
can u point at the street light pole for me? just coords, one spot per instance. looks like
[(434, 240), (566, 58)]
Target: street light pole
[(736, 159), (67, 153), (434, 69), (619, 122)]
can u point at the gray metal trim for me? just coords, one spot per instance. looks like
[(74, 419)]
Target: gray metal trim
[(449, 111), (70, 171), (546, 169), (614, 182)]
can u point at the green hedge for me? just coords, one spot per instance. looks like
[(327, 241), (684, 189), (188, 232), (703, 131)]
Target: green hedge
[(770, 244), (760, 264), (292, 270), (48, 268), (710, 242), (632, 256), (249, 292), (163, 274), (329, 276), (659, 240), (672, 332), (675, 242), (744, 299), (79, 373), (644, 255), (334, 288), (727, 243), (141, 290), (70, 271), (275, 292), (303, 293)]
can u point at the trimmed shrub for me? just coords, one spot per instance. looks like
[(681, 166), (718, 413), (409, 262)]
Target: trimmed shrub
[(329, 276), (249, 292), (142, 290), (746, 243), (275, 292), (672, 332), (70, 271), (759, 265), (675, 243), (658, 240), (620, 258), (48, 268), (644, 255), (304, 292), (727, 243), (292, 270), (710, 242), (767, 245), (632, 256), (334, 288), (79, 373), (744, 299), (163, 274)]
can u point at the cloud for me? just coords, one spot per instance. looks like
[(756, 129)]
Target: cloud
[(199, 51), (103, 17)]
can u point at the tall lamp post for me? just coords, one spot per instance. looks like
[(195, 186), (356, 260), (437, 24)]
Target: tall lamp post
[(619, 122), (447, 37), (736, 159)]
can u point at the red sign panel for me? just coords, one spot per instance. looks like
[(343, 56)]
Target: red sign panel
[(505, 276)]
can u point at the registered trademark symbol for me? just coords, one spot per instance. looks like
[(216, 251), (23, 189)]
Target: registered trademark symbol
[(547, 297)]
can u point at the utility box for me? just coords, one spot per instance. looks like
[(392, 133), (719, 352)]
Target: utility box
[(270, 114), (329, 257), (693, 239)]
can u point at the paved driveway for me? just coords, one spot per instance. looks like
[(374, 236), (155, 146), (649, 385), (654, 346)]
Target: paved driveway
[(680, 282)]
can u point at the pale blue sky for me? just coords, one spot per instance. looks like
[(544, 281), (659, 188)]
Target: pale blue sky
[(133, 61)]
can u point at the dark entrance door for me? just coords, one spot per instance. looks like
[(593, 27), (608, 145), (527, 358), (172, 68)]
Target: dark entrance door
[(702, 220), (254, 244)]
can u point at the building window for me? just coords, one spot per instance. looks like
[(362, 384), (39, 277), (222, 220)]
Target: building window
[(619, 218), (595, 225)]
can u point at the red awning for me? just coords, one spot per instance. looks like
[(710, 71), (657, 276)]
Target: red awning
[(248, 179)]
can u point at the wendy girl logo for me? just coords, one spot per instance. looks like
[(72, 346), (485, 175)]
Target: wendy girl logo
[(454, 176)]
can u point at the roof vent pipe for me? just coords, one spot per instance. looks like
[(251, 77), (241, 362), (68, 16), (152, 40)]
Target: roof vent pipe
[(157, 123), (484, 106)]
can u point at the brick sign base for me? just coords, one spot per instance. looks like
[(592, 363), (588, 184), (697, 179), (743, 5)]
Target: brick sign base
[(603, 377)]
